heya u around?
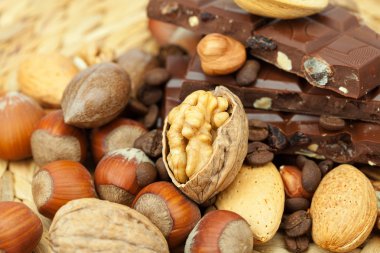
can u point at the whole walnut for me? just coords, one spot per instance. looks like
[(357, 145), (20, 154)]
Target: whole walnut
[(93, 225)]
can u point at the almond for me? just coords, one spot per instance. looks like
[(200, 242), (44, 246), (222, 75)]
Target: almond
[(45, 77), (257, 194), (343, 209)]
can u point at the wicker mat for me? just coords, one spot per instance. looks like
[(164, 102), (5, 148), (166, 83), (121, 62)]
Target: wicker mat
[(69, 27)]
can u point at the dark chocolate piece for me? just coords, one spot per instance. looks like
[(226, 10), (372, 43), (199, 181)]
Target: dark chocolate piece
[(286, 92), (332, 50), (358, 142)]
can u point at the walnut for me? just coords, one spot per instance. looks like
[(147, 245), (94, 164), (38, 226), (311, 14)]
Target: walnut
[(205, 141), (92, 225)]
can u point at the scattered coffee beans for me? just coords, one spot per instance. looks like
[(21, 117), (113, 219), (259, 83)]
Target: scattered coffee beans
[(295, 204), (297, 224), (325, 166), (248, 73), (156, 77), (311, 176), (150, 118), (258, 130), (149, 95), (259, 154), (297, 244)]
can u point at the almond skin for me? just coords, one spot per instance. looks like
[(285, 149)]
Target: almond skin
[(343, 210), (96, 96)]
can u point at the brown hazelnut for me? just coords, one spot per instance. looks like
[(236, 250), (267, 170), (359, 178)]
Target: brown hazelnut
[(122, 173), (220, 54), (292, 178), (120, 133), (173, 213), (20, 228), (57, 183), (96, 96), (220, 231), (54, 140), (19, 115)]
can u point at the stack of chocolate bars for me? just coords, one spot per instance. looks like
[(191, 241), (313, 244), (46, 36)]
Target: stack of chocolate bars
[(333, 62)]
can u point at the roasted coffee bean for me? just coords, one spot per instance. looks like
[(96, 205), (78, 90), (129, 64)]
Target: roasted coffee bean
[(297, 244), (169, 50), (247, 75), (151, 117), (162, 172), (325, 166), (299, 139), (157, 76), (276, 139), (331, 123), (296, 204), (260, 154), (135, 108), (149, 95), (311, 176), (300, 161), (258, 130), (297, 224), (150, 143)]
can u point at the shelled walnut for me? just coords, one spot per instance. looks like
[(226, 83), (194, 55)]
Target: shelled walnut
[(204, 142)]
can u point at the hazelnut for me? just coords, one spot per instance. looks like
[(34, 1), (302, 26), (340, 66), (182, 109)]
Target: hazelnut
[(20, 228), (118, 134), (122, 173), (54, 140), (169, 210), (44, 77), (292, 178), (283, 9), (220, 54), (220, 231), (96, 96), (57, 183), (19, 115)]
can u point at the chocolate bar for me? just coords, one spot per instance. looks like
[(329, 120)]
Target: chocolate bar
[(332, 50), (292, 134), (278, 90)]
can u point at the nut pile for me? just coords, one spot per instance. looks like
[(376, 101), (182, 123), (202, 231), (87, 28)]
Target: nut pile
[(118, 175)]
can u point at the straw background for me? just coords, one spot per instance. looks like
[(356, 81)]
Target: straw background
[(98, 27)]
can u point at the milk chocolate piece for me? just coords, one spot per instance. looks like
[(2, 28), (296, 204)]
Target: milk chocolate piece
[(358, 142), (286, 92), (332, 50)]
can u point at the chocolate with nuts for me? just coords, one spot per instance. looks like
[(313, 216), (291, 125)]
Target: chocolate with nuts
[(332, 49)]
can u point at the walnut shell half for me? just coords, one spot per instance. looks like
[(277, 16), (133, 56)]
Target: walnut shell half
[(229, 149), (93, 225)]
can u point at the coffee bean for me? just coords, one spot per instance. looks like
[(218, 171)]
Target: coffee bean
[(300, 161), (149, 95), (169, 50), (295, 204), (331, 123), (162, 172), (297, 224), (259, 154), (151, 117), (325, 166), (150, 143), (248, 73), (157, 76), (311, 176), (299, 139), (135, 108), (258, 130), (276, 139), (297, 244)]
